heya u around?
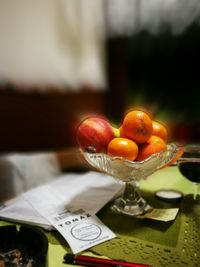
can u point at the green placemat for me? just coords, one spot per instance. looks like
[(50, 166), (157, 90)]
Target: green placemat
[(144, 229), (159, 244)]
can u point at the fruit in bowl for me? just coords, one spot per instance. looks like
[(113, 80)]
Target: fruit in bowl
[(154, 144), (130, 154), (95, 132), (122, 147), (159, 129), (137, 138), (137, 125)]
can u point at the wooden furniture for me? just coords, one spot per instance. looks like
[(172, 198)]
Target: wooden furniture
[(32, 121), (36, 121)]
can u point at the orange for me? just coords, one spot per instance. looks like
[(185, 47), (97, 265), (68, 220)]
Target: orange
[(121, 132), (137, 125), (159, 130), (122, 147), (154, 145)]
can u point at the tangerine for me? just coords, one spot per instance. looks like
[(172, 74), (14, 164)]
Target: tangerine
[(154, 145), (121, 132), (137, 125), (159, 130), (122, 147)]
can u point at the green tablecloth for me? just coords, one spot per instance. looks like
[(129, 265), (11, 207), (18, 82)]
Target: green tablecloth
[(156, 243), (171, 244)]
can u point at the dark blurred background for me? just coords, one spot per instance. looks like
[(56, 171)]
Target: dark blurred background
[(156, 71), (163, 74)]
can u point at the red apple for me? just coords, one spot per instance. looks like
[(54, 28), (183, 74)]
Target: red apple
[(95, 132)]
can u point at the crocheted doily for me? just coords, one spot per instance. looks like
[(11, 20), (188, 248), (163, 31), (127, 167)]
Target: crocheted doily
[(167, 244)]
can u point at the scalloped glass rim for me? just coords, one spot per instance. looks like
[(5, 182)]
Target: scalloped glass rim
[(126, 170)]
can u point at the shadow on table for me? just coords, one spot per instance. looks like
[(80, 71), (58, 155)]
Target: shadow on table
[(165, 233)]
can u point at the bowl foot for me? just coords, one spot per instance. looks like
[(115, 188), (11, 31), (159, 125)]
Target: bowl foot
[(131, 209)]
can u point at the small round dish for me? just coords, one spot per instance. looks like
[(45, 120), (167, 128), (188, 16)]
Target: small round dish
[(22, 246), (169, 195)]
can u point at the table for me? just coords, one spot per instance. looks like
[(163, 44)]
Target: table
[(159, 244)]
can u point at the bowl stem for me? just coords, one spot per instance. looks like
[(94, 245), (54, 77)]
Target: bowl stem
[(131, 203)]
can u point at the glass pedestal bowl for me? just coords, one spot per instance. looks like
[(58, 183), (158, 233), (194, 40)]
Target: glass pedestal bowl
[(131, 172)]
